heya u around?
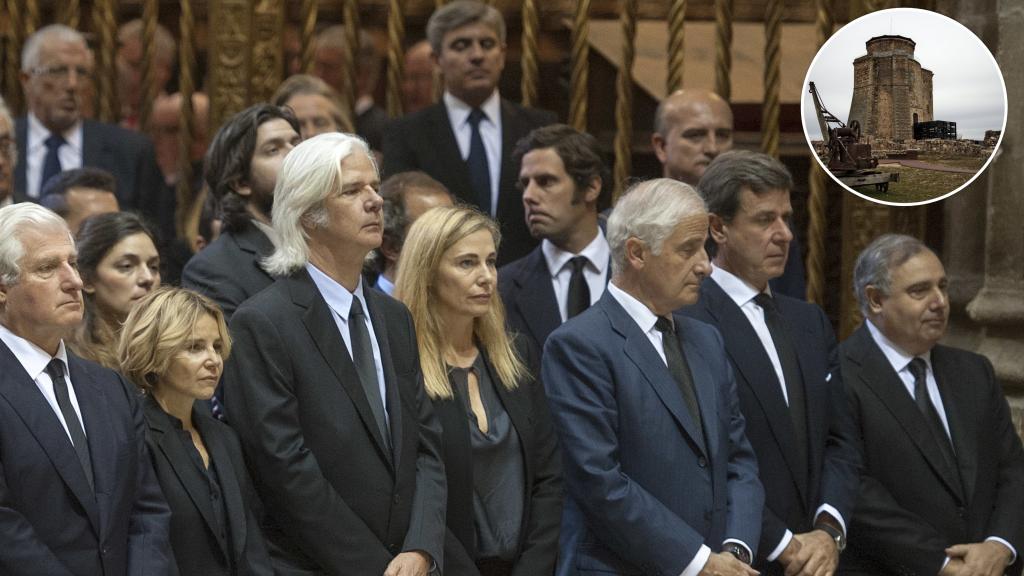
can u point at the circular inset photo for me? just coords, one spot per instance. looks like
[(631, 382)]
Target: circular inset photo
[(904, 106)]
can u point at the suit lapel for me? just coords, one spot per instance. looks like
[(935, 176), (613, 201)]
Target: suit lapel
[(391, 389), (91, 145), (536, 299), (703, 381), (962, 427), (509, 198), (229, 483), (21, 169), (252, 240), (319, 321), (641, 352), (815, 392), (102, 443), (880, 377)]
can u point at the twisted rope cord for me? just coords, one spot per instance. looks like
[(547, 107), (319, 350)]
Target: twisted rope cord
[(309, 14), (676, 45), (12, 64), (31, 20), (531, 23), (149, 18), (580, 74), (186, 85), (624, 99), (772, 78), (723, 48), (817, 201), (72, 13), (105, 24), (396, 39)]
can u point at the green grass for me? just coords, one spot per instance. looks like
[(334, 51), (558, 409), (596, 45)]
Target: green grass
[(972, 162), (917, 185)]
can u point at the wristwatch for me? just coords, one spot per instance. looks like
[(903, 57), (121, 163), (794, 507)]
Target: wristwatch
[(738, 551), (836, 535)]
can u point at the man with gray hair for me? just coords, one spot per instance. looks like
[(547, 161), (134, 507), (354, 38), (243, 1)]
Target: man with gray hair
[(943, 483), (8, 154), (323, 384), (78, 494), (660, 477), (56, 71), (783, 352), (466, 141)]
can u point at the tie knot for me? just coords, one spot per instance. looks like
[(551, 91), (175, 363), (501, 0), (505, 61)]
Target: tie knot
[(664, 325), (475, 116), (356, 309), (55, 141), (577, 263), (765, 301), (918, 368), (55, 369)]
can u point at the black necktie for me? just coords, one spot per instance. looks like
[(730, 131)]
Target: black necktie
[(479, 170), (790, 371), (60, 389), (919, 369), (51, 163), (579, 291), (679, 369), (362, 357)]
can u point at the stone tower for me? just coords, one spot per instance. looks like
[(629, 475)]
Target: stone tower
[(891, 91)]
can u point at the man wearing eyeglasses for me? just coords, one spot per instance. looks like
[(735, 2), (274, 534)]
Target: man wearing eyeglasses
[(56, 73)]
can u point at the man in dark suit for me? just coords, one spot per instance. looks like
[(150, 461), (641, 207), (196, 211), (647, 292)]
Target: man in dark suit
[(77, 491), (783, 352), (563, 181), (242, 165), (943, 484), (659, 475), (56, 72), (466, 141), (323, 384)]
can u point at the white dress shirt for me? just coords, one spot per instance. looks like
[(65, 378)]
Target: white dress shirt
[(35, 360), (900, 362), (646, 319), (490, 132), (339, 300), (70, 154), (595, 272)]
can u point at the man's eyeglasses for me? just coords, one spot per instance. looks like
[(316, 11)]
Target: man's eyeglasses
[(62, 73)]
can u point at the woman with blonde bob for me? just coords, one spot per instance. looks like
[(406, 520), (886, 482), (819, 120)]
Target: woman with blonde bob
[(173, 346), (501, 459)]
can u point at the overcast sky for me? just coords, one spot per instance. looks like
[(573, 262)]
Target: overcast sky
[(966, 87)]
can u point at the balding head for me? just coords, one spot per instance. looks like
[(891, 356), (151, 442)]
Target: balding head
[(691, 127)]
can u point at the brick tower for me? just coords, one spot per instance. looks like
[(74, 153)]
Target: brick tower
[(891, 91)]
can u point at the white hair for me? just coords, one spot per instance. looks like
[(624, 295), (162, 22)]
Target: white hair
[(310, 173), (650, 211), (55, 33), (14, 218)]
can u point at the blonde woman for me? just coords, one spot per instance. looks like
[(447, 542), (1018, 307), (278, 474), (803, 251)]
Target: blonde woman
[(501, 460), (173, 346)]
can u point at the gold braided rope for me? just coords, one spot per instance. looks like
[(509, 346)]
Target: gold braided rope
[(772, 80), (31, 20), (531, 23), (817, 201), (580, 75), (350, 12), (723, 48), (105, 24), (12, 64), (186, 85), (396, 39), (309, 13), (72, 13), (676, 45), (148, 94), (624, 100)]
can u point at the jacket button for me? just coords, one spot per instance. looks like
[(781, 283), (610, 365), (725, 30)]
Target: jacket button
[(397, 499), (702, 462)]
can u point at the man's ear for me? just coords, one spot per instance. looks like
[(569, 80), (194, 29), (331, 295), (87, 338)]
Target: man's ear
[(389, 250), (636, 253), (716, 228), (593, 191), (658, 142), (874, 297)]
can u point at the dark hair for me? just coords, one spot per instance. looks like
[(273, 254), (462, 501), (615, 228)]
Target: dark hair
[(54, 192), (579, 151), (394, 191), (229, 159), (100, 233)]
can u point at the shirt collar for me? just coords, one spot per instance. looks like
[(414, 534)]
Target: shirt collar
[(459, 110), (386, 286), (597, 253), (636, 309), (898, 359), (32, 358), (735, 287), (37, 135), (337, 296)]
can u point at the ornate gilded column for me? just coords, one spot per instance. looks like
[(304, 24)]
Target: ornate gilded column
[(267, 54), (230, 49)]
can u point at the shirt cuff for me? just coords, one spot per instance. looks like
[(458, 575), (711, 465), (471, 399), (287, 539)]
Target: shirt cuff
[(786, 538), (1013, 551), (828, 508), (698, 562)]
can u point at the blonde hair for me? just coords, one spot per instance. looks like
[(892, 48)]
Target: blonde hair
[(428, 240), (158, 327)]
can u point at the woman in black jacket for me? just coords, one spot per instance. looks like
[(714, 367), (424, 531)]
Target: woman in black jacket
[(501, 458), (173, 346)]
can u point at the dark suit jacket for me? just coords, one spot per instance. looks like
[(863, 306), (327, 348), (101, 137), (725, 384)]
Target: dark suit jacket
[(198, 544), (527, 408), (909, 507), (643, 494), (336, 502), (126, 154), (425, 141), (370, 125), (51, 521), (792, 495), (228, 271)]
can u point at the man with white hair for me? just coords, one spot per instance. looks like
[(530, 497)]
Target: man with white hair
[(56, 72), (77, 492), (323, 385), (660, 477)]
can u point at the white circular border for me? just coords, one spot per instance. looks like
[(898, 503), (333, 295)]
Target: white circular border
[(805, 92)]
